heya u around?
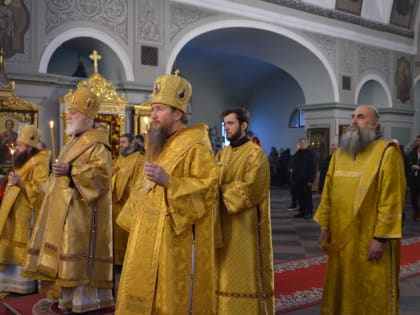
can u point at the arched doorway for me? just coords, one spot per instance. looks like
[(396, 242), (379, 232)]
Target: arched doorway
[(240, 62)]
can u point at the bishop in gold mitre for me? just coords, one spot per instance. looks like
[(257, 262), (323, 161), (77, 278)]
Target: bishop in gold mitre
[(71, 247), (169, 266)]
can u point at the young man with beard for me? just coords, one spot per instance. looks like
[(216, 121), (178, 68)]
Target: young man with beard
[(126, 168), (71, 248), (360, 216), (169, 267), (245, 262), (21, 203)]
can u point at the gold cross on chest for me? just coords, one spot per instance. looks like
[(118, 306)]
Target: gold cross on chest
[(95, 57)]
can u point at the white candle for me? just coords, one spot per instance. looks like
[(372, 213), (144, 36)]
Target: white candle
[(52, 141)]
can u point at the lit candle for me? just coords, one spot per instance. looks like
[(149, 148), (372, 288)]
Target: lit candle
[(12, 150), (52, 141)]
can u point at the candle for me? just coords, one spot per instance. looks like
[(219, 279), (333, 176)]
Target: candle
[(12, 150), (52, 141)]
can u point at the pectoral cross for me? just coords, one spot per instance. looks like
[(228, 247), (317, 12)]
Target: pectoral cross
[(95, 57)]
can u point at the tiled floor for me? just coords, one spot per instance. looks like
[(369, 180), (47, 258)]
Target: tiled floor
[(295, 238)]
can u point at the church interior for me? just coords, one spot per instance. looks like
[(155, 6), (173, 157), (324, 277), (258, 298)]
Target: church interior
[(299, 66)]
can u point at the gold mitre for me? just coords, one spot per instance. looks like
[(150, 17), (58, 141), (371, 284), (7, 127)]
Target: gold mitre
[(171, 90), (29, 135), (85, 101)]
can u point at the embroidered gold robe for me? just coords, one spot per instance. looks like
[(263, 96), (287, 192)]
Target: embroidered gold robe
[(72, 240), (362, 198), (18, 206), (156, 274), (245, 262), (127, 170)]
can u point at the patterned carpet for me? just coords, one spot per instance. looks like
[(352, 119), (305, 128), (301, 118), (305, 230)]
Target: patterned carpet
[(297, 238), (304, 277)]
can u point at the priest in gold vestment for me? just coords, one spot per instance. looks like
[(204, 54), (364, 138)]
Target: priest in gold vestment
[(360, 216), (126, 168), (245, 262), (71, 246), (169, 266), (21, 203)]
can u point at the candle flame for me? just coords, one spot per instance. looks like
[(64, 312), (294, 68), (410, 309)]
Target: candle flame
[(51, 124)]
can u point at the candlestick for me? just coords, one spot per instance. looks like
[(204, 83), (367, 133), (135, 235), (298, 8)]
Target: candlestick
[(52, 141)]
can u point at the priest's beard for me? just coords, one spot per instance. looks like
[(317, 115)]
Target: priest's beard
[(21, 158), (236, 136), (356, 140), (74, 126), (156, 138), (127, 151)]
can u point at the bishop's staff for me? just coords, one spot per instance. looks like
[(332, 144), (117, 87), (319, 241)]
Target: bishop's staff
[(54, 157)]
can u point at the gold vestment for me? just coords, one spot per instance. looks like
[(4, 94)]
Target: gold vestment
[(245, 262), (72, 240), (18, 206), (363, 198), (163, 223), (127, 170)]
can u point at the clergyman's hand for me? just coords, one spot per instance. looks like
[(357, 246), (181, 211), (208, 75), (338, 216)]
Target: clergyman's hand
[(376, 249), (60, 169), (156, 174), (323, 236)]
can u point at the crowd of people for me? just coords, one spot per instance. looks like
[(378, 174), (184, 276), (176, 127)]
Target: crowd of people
[(188, 231), (166, 215)]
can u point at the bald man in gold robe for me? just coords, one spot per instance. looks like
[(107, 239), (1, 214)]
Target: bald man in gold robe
[(21, 203), (245, 262), (360, 216), (126, 169), (71, 247), (169, 267)]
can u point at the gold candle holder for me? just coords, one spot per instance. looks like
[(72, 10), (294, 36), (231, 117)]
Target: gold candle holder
[(53, 152)]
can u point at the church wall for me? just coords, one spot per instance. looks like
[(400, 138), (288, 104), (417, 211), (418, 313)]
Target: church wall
[(208, 94), (271, 106), (344, 47)]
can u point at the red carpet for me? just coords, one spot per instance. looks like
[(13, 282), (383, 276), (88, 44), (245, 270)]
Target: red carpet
[(298, 283)]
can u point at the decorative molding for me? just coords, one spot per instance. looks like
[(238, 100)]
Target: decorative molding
[(343, 16), (326, 44), (182, 16), (373, 59), (112, 14), (149, 21), (347, 57)]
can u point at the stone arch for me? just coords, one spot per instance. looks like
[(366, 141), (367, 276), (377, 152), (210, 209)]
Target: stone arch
[(182, 39), (87, 32), (379, 80)]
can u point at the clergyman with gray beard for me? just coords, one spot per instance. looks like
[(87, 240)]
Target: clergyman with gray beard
[(360, 216)]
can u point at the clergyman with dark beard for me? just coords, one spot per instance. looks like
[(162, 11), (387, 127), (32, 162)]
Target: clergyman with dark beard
[(169, 266), (21, 202), (126, 168), (360, 215)]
